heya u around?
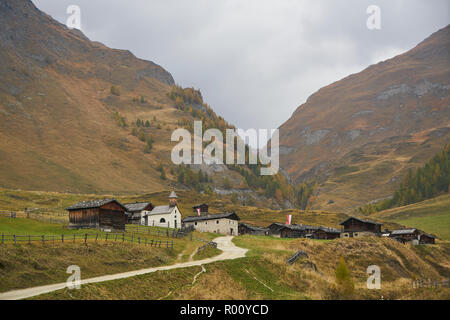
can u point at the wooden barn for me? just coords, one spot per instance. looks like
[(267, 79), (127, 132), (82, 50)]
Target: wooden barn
[(355, 227), (203, 208), (291, 231), (326, 233), (136, 210), (426, 238), (106, 214), (252, 230), (405, 235), (413, 236)]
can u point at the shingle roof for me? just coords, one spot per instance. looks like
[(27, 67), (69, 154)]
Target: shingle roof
[(403, 231), (161, 210), (230, 215), (138, 206), (254, 228), (298, 227), (329, 230), (92, 204), (362, 220)]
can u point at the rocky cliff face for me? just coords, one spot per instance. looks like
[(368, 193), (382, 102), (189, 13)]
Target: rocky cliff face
[(358, 136)]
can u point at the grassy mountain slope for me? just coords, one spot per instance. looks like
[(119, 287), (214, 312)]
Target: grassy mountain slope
[(360, 135), (57, 126), (76, 116), (431, 216)]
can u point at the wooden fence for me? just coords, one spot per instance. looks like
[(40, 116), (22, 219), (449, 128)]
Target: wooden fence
[(161, 232), (72, 238), (428, 283), (41, 215)]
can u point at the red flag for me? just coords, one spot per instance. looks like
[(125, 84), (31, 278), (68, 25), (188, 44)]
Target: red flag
[(288, 219), (198, 210)]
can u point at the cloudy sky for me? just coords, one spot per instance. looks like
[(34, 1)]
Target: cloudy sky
[(256, 61)]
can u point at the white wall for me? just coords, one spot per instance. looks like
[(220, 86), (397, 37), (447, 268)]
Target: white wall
[(172, 219)]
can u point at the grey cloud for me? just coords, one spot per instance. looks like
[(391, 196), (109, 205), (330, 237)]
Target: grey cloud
[(255, 61)]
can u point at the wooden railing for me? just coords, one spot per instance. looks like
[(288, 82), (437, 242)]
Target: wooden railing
[(428, 283), (296, 256), (72, 238)]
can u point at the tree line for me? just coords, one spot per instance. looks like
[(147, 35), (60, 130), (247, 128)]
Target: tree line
[(424, 183)]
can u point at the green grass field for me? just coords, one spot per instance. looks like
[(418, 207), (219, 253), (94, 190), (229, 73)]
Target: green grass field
[(432, 216)]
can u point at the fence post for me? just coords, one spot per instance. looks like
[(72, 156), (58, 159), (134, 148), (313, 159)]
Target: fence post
[(29, 239), (73, 238), (139, 240), (172, 247), (106, 239), (43, 239), (123, 237), (115, 239), (62, 238), (96, 237), (85, 238), (15, 241)]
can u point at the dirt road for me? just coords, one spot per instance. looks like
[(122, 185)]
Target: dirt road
[(230, 251)]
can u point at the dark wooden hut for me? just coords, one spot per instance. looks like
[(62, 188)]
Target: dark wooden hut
[(405, 235), (326, 233), (426, 238), (357, 227), (106, 214), (291, 231), (134, 211), (252, 230)]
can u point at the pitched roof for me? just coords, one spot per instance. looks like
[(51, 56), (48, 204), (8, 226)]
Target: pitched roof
[(93, 204), (230, 215), (254, 228), (362, 220), (161, 210), (138, 206), (329, 230), (199, 205), (296, 227), (403, 231)]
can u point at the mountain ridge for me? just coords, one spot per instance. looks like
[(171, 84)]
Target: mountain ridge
[(370, 126)]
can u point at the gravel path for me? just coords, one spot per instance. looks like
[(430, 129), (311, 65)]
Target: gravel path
[(230, 251)]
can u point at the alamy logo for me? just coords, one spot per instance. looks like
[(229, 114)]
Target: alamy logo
[(74, 281), (214, 152), (374, 279), (74, 20), (374, 20)]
